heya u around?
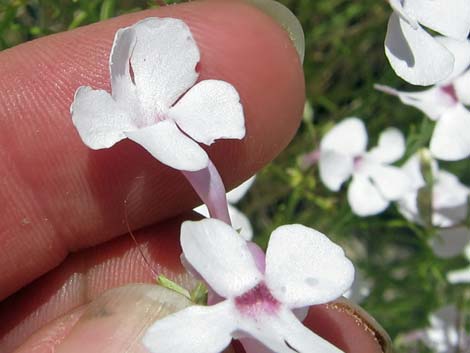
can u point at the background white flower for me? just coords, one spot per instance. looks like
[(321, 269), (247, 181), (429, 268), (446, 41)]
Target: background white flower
[(375, 183), (152, 65), (238, 218), (443, 334), (444, 103), (414, 54), (303, 268), (449, 206)]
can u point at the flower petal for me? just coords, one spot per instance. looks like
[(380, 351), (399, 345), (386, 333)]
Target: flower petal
[(392, 182), (164, 63), (459, 276), (98, 118), (364, 198), (304, 267), (241, 223), (170, 146), (237, 193), (202, 329), (335, 169), (462, 88), (451, 137), (210, 110), (220, 255), (119, 64), (449, 200), (415, 55), (408, 207), (460, 49), (349, 137), (448, 17), (450, 242), (391, 146), (283, 333), (432, 102)]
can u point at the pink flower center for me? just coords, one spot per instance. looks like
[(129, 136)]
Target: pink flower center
[(256, 301), (357, 163), (449, 90)]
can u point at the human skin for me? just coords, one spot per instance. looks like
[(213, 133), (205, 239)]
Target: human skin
[(63, 238)]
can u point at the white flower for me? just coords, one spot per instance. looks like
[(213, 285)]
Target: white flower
[(375, 183), (444, 103), (449, 206), (238, 218), (303, 268), (152, 65), (443, 335), (414, 54)]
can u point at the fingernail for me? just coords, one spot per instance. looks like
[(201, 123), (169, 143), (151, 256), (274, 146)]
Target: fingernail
[(116, 321), (282, 15), (363, 319)]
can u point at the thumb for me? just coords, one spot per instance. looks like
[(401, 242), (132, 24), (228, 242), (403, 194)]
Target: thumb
[(116, 321)]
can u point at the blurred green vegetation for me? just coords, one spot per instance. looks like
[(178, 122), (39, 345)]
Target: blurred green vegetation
[(344, 58)]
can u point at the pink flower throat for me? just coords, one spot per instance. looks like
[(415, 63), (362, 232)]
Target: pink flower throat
[(256, 301)]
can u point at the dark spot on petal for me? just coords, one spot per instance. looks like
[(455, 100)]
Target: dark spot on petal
[(288, 345)]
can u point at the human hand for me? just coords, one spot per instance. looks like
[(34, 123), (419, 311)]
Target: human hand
[(63, 235)]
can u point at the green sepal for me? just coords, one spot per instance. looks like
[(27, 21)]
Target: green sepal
[(169, 284), (199, 294)]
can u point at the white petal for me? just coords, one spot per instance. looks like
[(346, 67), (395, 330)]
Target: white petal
[(460, 49), (451, 137), (304, 267), (220, 255), (349, 137), (241, 223), (210, 110), (415, 55), (412, 168), (335, 169), (119, 64), (459, 276), (201, 329), (170, 146), (164, 63), (98, 119), (450, 242), (397, 6), (364, 198), (448, 17), (432, 102), (202, 210), (392, 182), (462, 88), (408, 207), (391, 146), (237, 194), (283, 333), (449, 200)]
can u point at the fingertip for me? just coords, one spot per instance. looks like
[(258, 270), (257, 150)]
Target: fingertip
[(349, 327)]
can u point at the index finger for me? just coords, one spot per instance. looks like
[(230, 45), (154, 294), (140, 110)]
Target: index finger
[(59, 196)]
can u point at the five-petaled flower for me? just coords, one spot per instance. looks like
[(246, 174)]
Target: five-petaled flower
[(414, 54), (444, 103), (155, 100), (375, 183), (302, 268)]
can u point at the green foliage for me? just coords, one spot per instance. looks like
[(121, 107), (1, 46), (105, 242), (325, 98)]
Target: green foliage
[(344, 59)]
